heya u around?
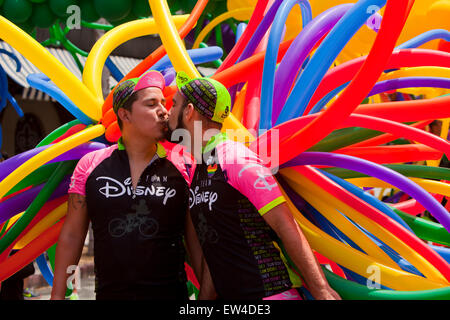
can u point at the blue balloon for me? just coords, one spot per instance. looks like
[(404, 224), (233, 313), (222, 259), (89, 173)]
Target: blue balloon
[(299, 51), (270, 59), (333, 231), (41, 82), (115, 72), (424, 38), (45, 269), (367, 197), (442, 251), (12, 56), (198, 56), (3, 88), (324, 57), (240, 30), (4, 80), (413, 43), (260, 31), (15, 105), (322, 223), (392, 84), (377, 171)]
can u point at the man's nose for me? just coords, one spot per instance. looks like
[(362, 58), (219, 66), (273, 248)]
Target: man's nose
[(162, 111)]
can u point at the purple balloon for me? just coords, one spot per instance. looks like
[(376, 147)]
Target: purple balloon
[(260, 31), (21, 201), (11, 164), (299, 51), (255, 40), (377, 171), (169, 75), (410, 82)]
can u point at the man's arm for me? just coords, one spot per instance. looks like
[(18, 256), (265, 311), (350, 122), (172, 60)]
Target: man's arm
[(70, 243), (201, 270), (207, 289), (281, 221)]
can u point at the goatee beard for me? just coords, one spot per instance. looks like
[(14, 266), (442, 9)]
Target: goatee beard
[(169, 133)]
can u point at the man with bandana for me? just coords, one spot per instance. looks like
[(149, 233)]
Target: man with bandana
[(136, 197), (237, 207)]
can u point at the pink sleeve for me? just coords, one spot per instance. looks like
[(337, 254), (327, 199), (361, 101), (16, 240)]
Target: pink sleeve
[(79, 176), (182, 160), (84, 168), (246, 173)]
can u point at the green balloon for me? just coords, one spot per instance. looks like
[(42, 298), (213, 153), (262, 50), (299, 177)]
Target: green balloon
[(27, 26), (18, 11), (174, 5), (63, 169), (141, 8), (43, 16), (88, 12), (38, 1), (113, 10), (349, 290), (59, 7), (128, 18)]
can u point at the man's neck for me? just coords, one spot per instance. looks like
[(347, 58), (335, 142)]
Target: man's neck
[(198, 150), (140, 149)]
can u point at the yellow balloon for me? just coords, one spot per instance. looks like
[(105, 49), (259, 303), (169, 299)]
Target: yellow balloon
[(438, 72), (357, 261), (320, 199), (238, 107), (182, 62), (46, 222), (234, 5), (13, 220), (52, 67), (438, 15), (92, 73), (50, 153), (425, 15), (171, 39)]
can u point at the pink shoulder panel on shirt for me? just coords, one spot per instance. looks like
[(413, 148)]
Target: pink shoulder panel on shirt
[(247, 174), (84, 168), (181, 159)]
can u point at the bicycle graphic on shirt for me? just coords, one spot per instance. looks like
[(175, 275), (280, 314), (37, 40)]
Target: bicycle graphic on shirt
[(148, 227)]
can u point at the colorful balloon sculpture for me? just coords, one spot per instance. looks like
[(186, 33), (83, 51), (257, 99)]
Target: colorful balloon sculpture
[(313, 85)]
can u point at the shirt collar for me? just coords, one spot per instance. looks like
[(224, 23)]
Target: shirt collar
[(214, 141), (160, 150)]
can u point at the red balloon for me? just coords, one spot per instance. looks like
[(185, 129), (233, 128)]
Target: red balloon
[(31, 251), (393, 154), (393, 21), (237, 50), (405, 58), (263, 144)]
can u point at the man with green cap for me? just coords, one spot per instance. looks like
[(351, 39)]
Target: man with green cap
[(236, 206), (136, 197)]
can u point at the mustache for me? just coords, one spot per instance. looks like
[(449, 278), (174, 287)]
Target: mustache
[(168, 133)]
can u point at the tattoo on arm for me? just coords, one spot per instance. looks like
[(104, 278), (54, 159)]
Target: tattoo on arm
[(77, 201)]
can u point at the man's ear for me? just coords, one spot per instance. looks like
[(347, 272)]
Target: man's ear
[(123, 115), (189, 112)]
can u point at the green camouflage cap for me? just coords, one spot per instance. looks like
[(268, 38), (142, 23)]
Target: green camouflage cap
[(208, 96)]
